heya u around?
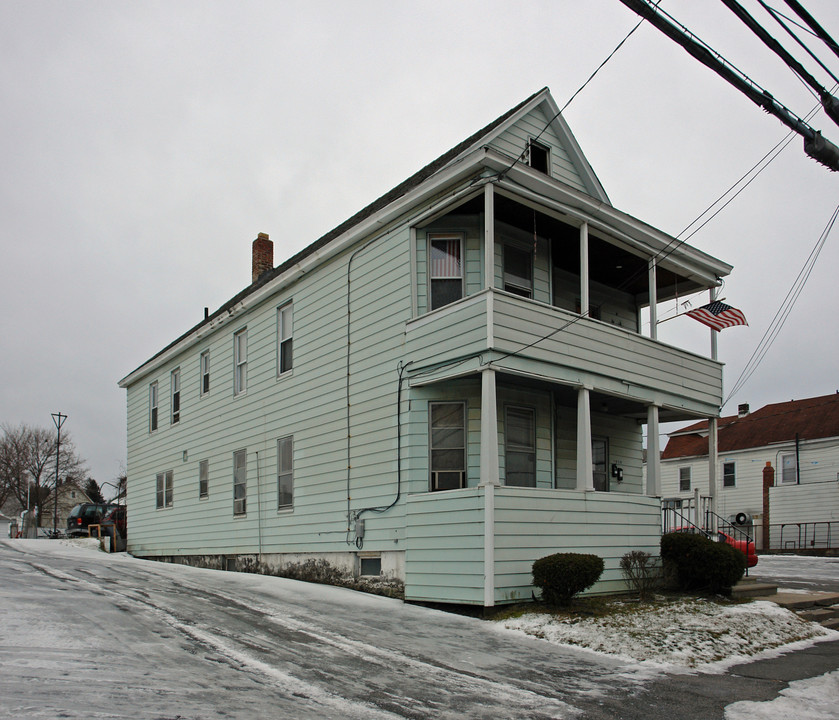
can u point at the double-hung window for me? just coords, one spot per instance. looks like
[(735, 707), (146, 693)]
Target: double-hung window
[(204, 479), (789, 472), (285, 473), (285, 330), (240, 362), (445, 269), (520, 447), (684, 479), (518, 270), (165, 489), (204, 371), (240, 482), (175, 383), (153, 407), (729, 478), (447, 430)]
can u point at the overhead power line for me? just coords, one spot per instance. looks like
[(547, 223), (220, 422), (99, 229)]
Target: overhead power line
[(818, 29), (816, 146), (778, 18), (829, 103)]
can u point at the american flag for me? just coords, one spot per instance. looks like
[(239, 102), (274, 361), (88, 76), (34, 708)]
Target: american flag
[(718, 315)]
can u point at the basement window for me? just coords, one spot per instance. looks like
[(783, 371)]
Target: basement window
[(370, 566)]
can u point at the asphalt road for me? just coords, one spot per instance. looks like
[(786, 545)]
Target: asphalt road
[(86, 635)]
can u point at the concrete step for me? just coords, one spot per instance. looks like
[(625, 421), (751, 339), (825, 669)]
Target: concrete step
[(750, 588), (818, 614), (832, 624), (799, 601)]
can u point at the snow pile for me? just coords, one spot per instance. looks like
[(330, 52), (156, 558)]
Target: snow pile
[(687, 633), (810, 699)]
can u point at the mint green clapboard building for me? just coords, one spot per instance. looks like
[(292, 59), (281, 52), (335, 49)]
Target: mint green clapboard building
[(449, 385)]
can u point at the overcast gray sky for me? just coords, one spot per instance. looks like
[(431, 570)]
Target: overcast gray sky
[(145, 144)]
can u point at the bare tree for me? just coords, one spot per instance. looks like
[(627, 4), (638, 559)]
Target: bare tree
[(27, 466)]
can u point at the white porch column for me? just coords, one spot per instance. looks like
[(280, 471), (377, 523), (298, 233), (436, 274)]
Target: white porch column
[(653, 453), (653, 301), (584, 284), (712, 471), (489, 477), (585, 466), (489, 428), (489, 235)]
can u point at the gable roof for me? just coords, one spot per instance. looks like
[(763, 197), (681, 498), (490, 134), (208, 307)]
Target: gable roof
[(481, 138), (810, 419)]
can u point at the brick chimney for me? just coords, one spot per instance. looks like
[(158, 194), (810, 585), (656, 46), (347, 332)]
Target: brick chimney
[(263, 256), (743, 410)]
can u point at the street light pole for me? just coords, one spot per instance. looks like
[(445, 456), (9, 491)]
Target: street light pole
[(58, 419)]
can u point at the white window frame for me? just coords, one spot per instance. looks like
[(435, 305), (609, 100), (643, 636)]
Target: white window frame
[(153, 407), (285, 337), (434, 474), (240, 482), (732, 474), (531, 143), (446, 237), (793, 474), (689, 478), (285, 473), (203, 479), (240, 362), (175, 392), (204, 373), (165, 489), (511, 448)]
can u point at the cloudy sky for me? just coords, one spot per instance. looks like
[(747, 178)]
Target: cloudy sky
[(145, 144)]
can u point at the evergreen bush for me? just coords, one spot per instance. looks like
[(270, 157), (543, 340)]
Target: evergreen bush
[(563, 575), (699, 563)]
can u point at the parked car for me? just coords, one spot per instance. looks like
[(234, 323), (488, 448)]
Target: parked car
[(747, 547), (84, 515)]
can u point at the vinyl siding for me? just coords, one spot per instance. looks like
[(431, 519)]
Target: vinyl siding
[(514, 141)]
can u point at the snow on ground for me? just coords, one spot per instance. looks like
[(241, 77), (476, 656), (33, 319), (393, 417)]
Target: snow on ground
[(810, 699), (807, 571)]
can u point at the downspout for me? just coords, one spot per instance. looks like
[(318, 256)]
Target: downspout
[(258, 508)]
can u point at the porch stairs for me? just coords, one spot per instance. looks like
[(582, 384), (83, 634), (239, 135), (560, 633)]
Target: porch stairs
[(816, 606)]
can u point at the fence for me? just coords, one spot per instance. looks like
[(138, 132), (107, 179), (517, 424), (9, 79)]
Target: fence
[(804, 536)]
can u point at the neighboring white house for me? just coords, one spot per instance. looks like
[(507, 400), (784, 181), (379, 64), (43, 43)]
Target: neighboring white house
[(444, 388), (799, 439)]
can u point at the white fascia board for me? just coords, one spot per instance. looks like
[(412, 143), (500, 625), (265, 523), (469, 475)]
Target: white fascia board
[(378, 222), (604, 217)]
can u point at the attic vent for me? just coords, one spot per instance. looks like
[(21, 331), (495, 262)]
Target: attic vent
[(539, 156)]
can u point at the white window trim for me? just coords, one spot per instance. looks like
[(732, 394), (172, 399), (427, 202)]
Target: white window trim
[(781, 457), (289, 472), (240, 366), (175, 394), (285, 307), (465, 477), (164, 490), (530, 410), (734, 474), (690, 477), (154, 407), (430, 278), (201, 466), (204, 371), (531, 142), (244, 500)]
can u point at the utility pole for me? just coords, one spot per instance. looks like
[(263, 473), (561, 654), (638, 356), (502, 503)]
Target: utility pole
[(58, 419)]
